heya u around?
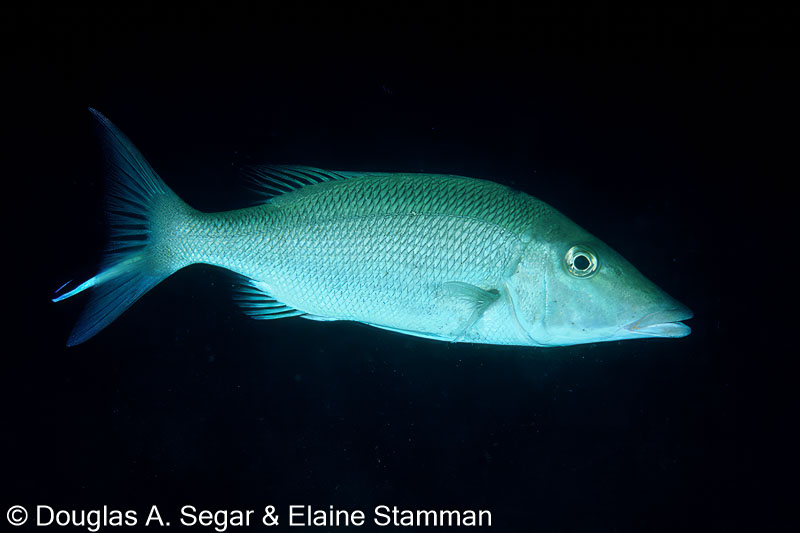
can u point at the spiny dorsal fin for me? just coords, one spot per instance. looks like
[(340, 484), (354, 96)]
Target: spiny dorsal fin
[(274, 180), (256, 303)]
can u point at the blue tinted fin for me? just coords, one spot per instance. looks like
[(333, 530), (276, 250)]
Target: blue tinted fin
[(135, 204), (255, 302), (110, 300), (274, 180)]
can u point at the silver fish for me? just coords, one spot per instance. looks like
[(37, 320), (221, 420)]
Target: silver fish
[(436, 256)]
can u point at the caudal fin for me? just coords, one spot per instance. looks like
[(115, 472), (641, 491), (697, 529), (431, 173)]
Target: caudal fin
[(141, 212)]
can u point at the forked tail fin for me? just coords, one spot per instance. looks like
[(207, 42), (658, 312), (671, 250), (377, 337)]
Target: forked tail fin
[(142, 213)]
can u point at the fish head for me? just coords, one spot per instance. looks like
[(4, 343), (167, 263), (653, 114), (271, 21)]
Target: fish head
[(572, 288)]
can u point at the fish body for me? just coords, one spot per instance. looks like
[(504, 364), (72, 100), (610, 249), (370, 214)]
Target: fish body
[(437, 256), (393, 250)]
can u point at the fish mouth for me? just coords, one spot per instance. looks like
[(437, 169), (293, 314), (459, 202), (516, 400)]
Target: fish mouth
[(664, 323)]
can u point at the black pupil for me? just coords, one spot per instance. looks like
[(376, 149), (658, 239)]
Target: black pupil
[(581, 262)]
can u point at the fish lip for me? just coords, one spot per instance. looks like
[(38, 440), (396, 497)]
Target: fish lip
[(663, 323)]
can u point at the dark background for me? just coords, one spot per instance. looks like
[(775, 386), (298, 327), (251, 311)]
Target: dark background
[(660, 131)]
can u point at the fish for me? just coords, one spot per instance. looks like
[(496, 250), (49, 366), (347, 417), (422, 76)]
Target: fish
[(436, 256)]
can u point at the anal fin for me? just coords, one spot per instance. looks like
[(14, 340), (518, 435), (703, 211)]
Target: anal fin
[(257, 303)]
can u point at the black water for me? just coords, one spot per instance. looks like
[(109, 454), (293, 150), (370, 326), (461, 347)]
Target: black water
[(642, 127)]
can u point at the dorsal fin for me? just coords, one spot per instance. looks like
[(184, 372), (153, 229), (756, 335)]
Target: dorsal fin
[(256, 303), (274, 180)]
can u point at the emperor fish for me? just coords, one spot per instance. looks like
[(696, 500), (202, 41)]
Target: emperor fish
[(436, 256)]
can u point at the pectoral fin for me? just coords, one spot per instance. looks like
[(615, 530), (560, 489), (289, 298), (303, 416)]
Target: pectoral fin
[(478, 299)]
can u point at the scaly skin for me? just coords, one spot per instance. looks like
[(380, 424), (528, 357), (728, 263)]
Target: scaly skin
[(377, 249)]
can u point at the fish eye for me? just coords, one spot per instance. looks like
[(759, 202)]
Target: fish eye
[(580, 261)]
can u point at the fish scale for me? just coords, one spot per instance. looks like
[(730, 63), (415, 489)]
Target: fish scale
[(332, 250)]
